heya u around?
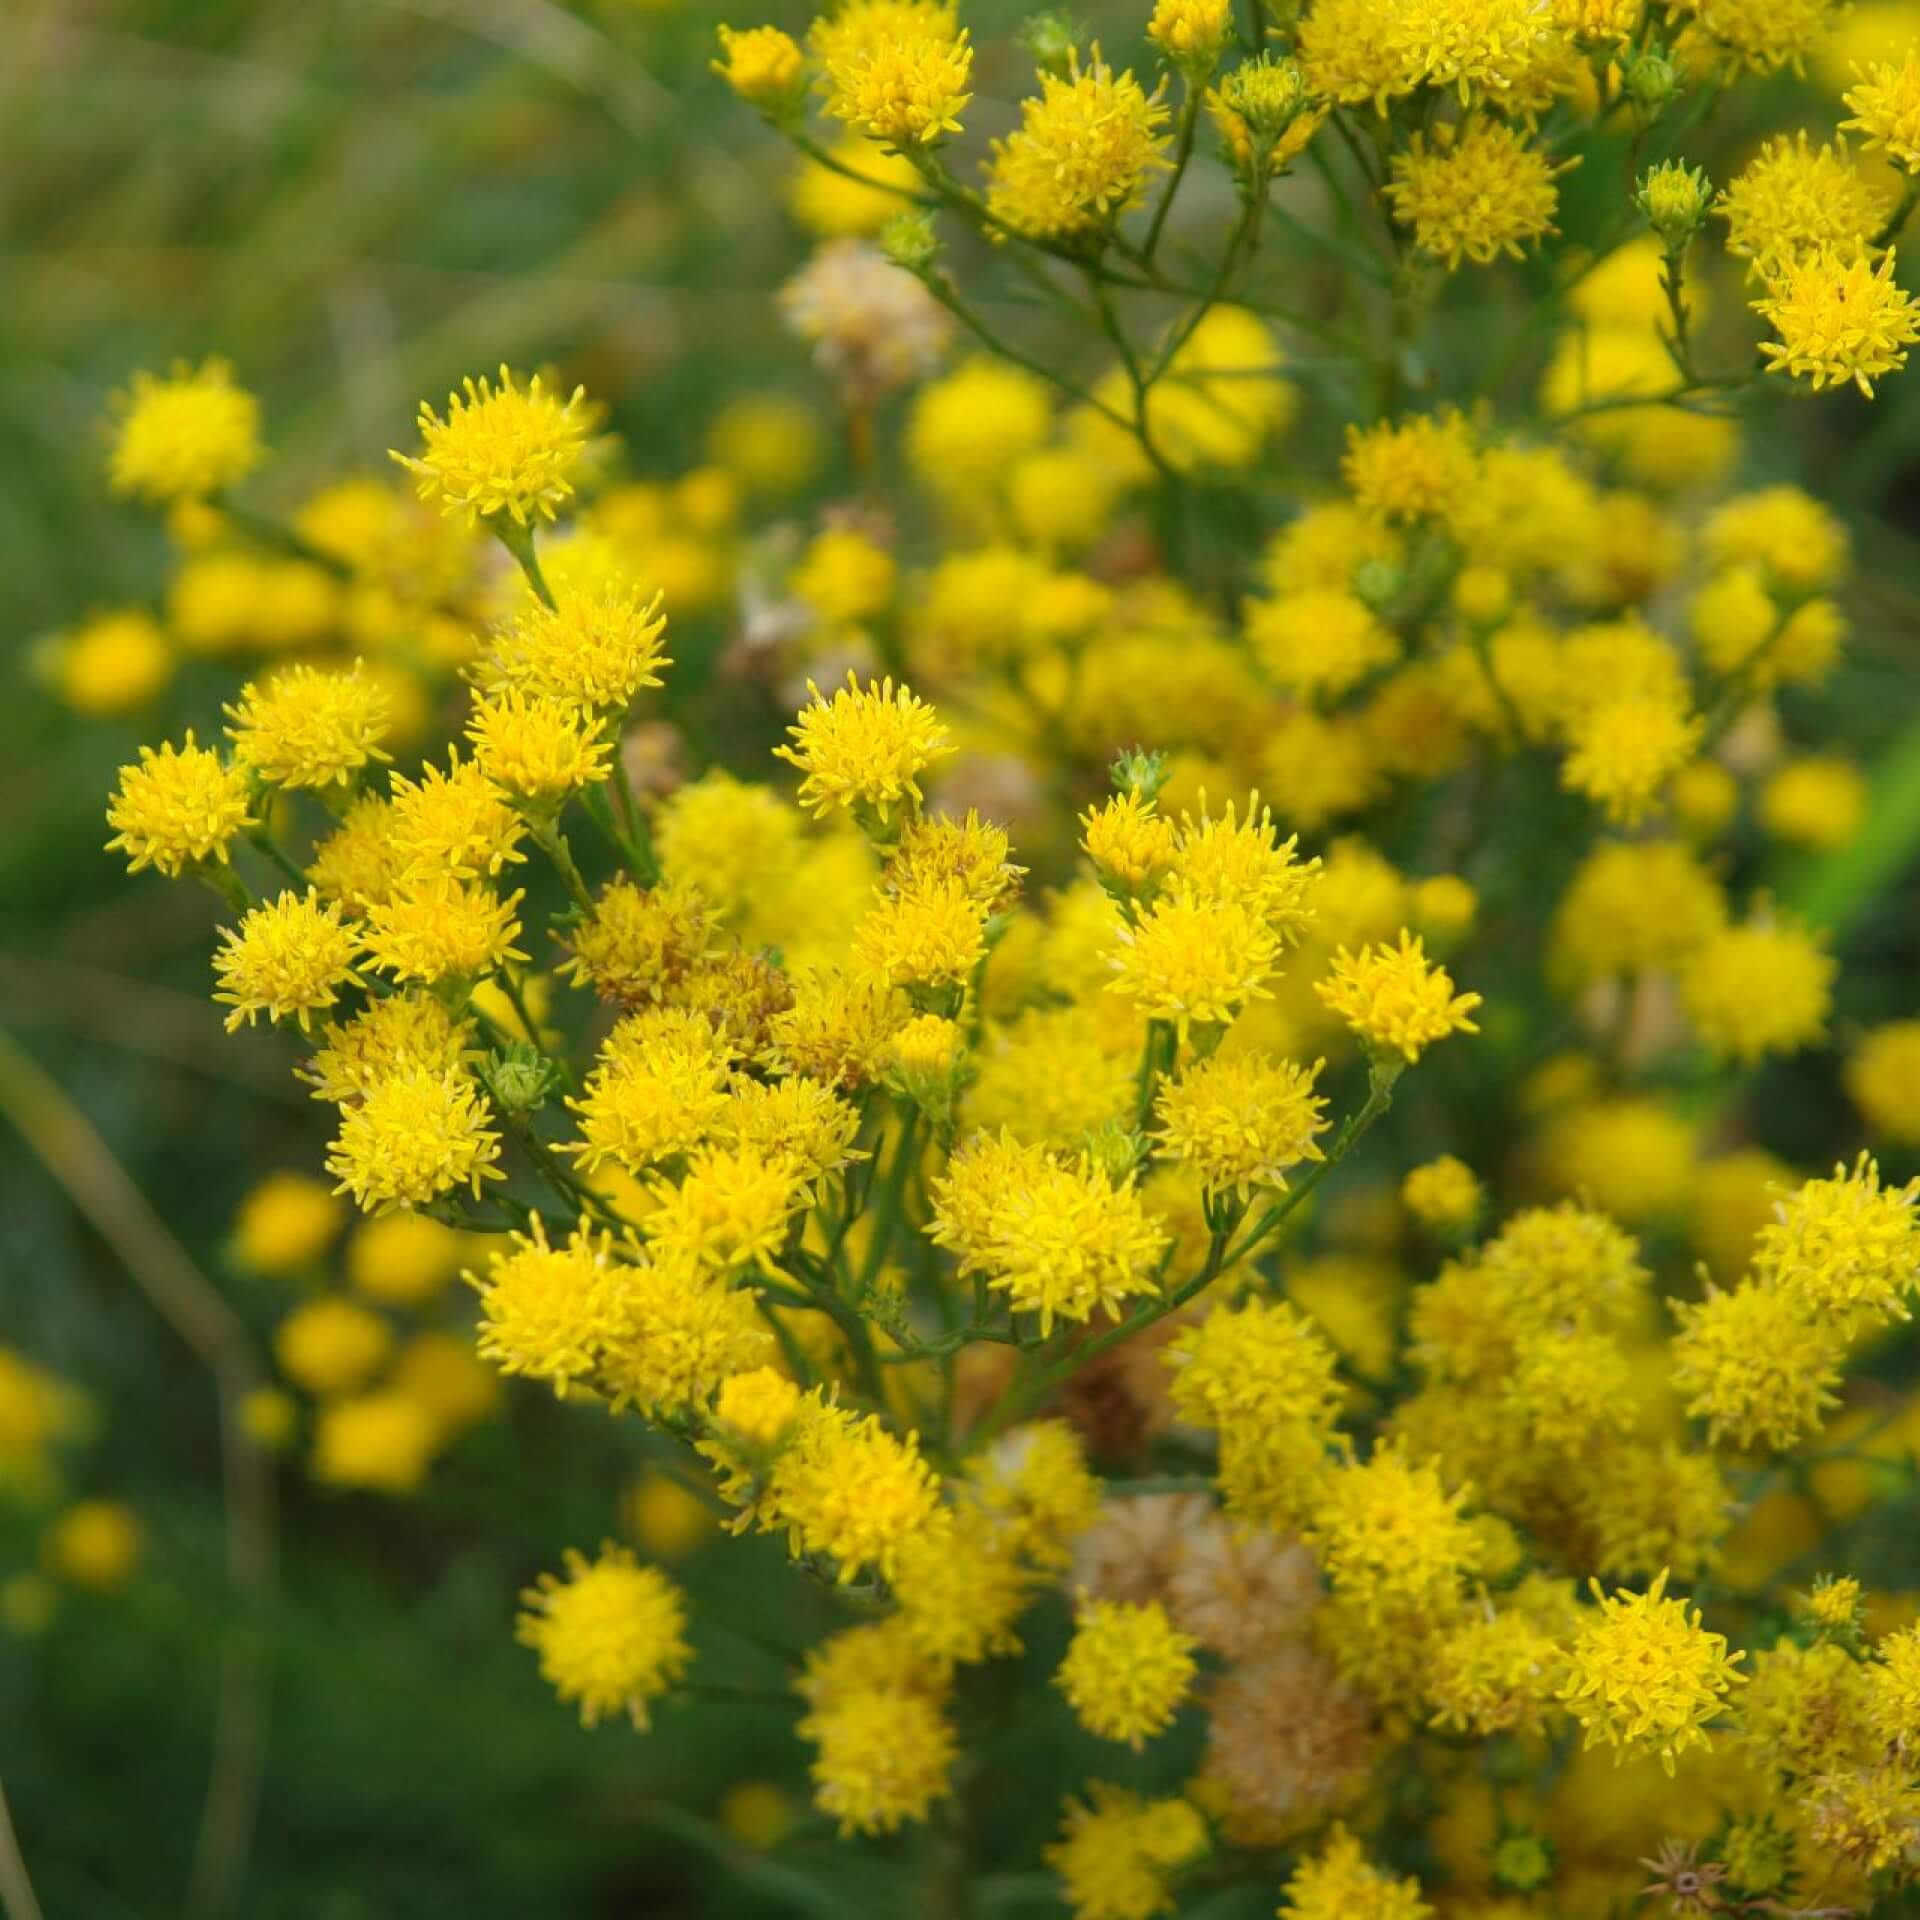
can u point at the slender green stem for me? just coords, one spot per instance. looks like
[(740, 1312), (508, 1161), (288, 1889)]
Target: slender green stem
[(1909, 199), (517, 537), (822, 157), (262, 837), (553, 843), (1183, 152), (1673, 270), (890, 1206)]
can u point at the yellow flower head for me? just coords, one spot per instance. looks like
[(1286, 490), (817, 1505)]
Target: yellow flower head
[(764, 66), (306, 728), (379, 1442), (1646, 1677), (1320, 642), (288, 959), (1846, 1246), (395, 1031), (594, 649), (611, 1635), (865, 748), (1396, 999), (1762, 987), (1081, 155), (1883, 1081), (456, 823), (94, 1544), (1443, 1195), (1481, 49), (443, 929), (850, 1490), (1341, 1883), (930, 936), (332, 1345), (1241, 1120), (1622, 751), (286, 1223), (682, 1333), (192, 434), (1476, 196), (1352, 53), (417, 1134), (1191, 31), (728, 1211), (1886, 109), (1755, 1365), (882, 1757), (548, 1312), (1390, 1536), (1195, 961), (1131, 843), (1766, 34), (178, 807), (905, 88), (113, 663), (504, 449), (1839, 319), (1416, 470), (1127, 1670), (1793, 199), (1116, 1852), (536, 749), (660, 1090)]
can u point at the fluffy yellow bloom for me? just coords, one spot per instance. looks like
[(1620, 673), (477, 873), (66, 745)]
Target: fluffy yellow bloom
[(398, 1030), (1341, 1883), (548, 1312), (1819, 801), (1195, 961), (456, 823), (1416, 470), (93, 1544), (1798, 544), (286, 1222), (596, 650), (1476, 196), (1116, 1852), (179, 806), (1352, 54), (1839, 320), (287, 959), (1264, 115), (764, 66), (1081, 155), (417, 1134), (1128, 840), (1635, 907), (844, 575), (1622, 751), (1645, 1675), (331, 1345), (640, 943), (379, 1442), (192, 434), (1127, 1670), (1793, 200), (1320, 642), (728, 1210), (113, 663), (1754, 1365), (905, 88), (799, 1121), (443, 929), (1758, 988), (1443, 1195), (1886, 109), (659, 1090), (1766, 34), (932, 935), (883, 1757), (682, 1331), (1241, 1120), (1396, 999), (1846, 1246), (404, 1260), (965, 433), (864, 749), (610, 1635), (851, 1491), (505, 449), (537, 749), (304, 728), (1060, 1240), (1883, 1081), (1391, 1537)]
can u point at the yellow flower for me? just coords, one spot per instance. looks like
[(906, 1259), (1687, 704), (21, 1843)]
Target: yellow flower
[(381, 1442), (1391, 1538), (844, 575), (681, 1333), (94, 1544), (1340, 1883), (764, 66), (1320, 642), (640, 942), (1846, 1246), (178, 807), (729, 1209), (1622, 751), (904, 88), (1793, 200), (1646, 1677), (1798, 544), (1395, 999), (865, 748), (659, 1089), (1839, 320), (1883, 1081), (504, 449), (1241, 1120), (1634, 907), (1127, 1670), (1081, 155), (965, 433), (404, 1260), (288, 958), (1886, 109), (1759, 988), (1443, 1195), (1416, 470), (417, 1134), (286, 1222), (1128, 841), (1116, 1852), (303, 728), (1474, 196), (883, 1757), (192, 434), (1352, 53), (610, 1635), (1191, 30), (443, 929), (1754, 1365), (330, 1345), (113, 663), (1195, 961), (537, 749), (1819, 801), (592, 649), (1766, 34), (931, 936), (398, 1030), (851, 1491), (549, 1312), (454, 823)]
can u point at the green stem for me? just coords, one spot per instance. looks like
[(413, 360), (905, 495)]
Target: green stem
[(553, 843), (822, 157), (1909, 198), (262, 837), (517, 537), (270, 532), (887, 1211), (1673, 269), (1183, 152)]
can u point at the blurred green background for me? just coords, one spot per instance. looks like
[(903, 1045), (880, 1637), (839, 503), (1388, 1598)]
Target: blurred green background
[(358, 201)]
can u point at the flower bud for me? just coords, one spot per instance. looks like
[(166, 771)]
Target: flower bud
[(909, 241), (1675, 198), (765, 67), (1052, 39), (1652, 80)]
